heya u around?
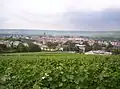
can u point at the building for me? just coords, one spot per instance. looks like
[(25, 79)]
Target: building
[(100, 52), (81, 47)]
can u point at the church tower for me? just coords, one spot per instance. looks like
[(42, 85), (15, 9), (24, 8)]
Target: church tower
[(44, 38)]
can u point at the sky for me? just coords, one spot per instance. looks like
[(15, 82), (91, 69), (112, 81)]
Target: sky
[(60, 14)]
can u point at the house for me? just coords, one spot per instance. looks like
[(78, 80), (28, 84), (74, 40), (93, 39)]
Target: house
[(61, 49), (100, 52), (15, 43), (44, 47), (90, 52), (91, 42), (7, 43), (82, 47), (26, 44), (37, 43)]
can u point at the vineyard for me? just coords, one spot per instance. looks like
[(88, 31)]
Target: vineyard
[(59, 71)]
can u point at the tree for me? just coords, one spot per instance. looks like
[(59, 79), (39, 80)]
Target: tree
[(33, 48), (96, 46), (115, 51), (77, 49), (21, 48), (87, 46), (65, 48), (109, 47), (70, 45), (52, 45), (2, 47), (68, 42)]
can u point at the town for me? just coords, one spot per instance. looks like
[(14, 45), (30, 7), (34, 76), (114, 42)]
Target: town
[(49, 43)]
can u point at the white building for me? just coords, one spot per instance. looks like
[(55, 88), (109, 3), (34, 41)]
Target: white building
[(82, 47), (61, 49), (16, 43), (100, 52), (37, 43), (26, 44)]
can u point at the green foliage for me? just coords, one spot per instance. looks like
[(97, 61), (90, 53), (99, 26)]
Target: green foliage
[(77, 49), (87, 46), (96, 46), (10, 39), (2, 47), (21, 48), (59, 71), (116, 51), (65, 48), (70, 46), (33, 48), (52, 45), (109, 47)]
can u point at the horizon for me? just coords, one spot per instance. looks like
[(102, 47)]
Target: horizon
[(89, 33)]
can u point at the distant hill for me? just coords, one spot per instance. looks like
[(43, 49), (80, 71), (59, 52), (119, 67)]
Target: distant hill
[(114, 34)]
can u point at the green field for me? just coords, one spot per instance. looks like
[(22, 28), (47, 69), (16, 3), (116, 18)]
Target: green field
[(59, 71)]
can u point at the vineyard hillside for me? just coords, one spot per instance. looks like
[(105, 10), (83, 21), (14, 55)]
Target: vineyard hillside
[(59, 71)]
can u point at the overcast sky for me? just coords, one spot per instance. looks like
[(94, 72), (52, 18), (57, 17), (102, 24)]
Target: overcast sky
[(60, 14)]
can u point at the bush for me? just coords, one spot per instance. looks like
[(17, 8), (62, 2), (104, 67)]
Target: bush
[(116, 51), (65, 71)]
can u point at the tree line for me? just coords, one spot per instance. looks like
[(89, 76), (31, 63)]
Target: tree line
[(70, 46), (67, 46), (20, 48)]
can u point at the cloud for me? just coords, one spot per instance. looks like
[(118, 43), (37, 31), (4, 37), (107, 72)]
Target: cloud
[(60, 14), (108, 19)]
